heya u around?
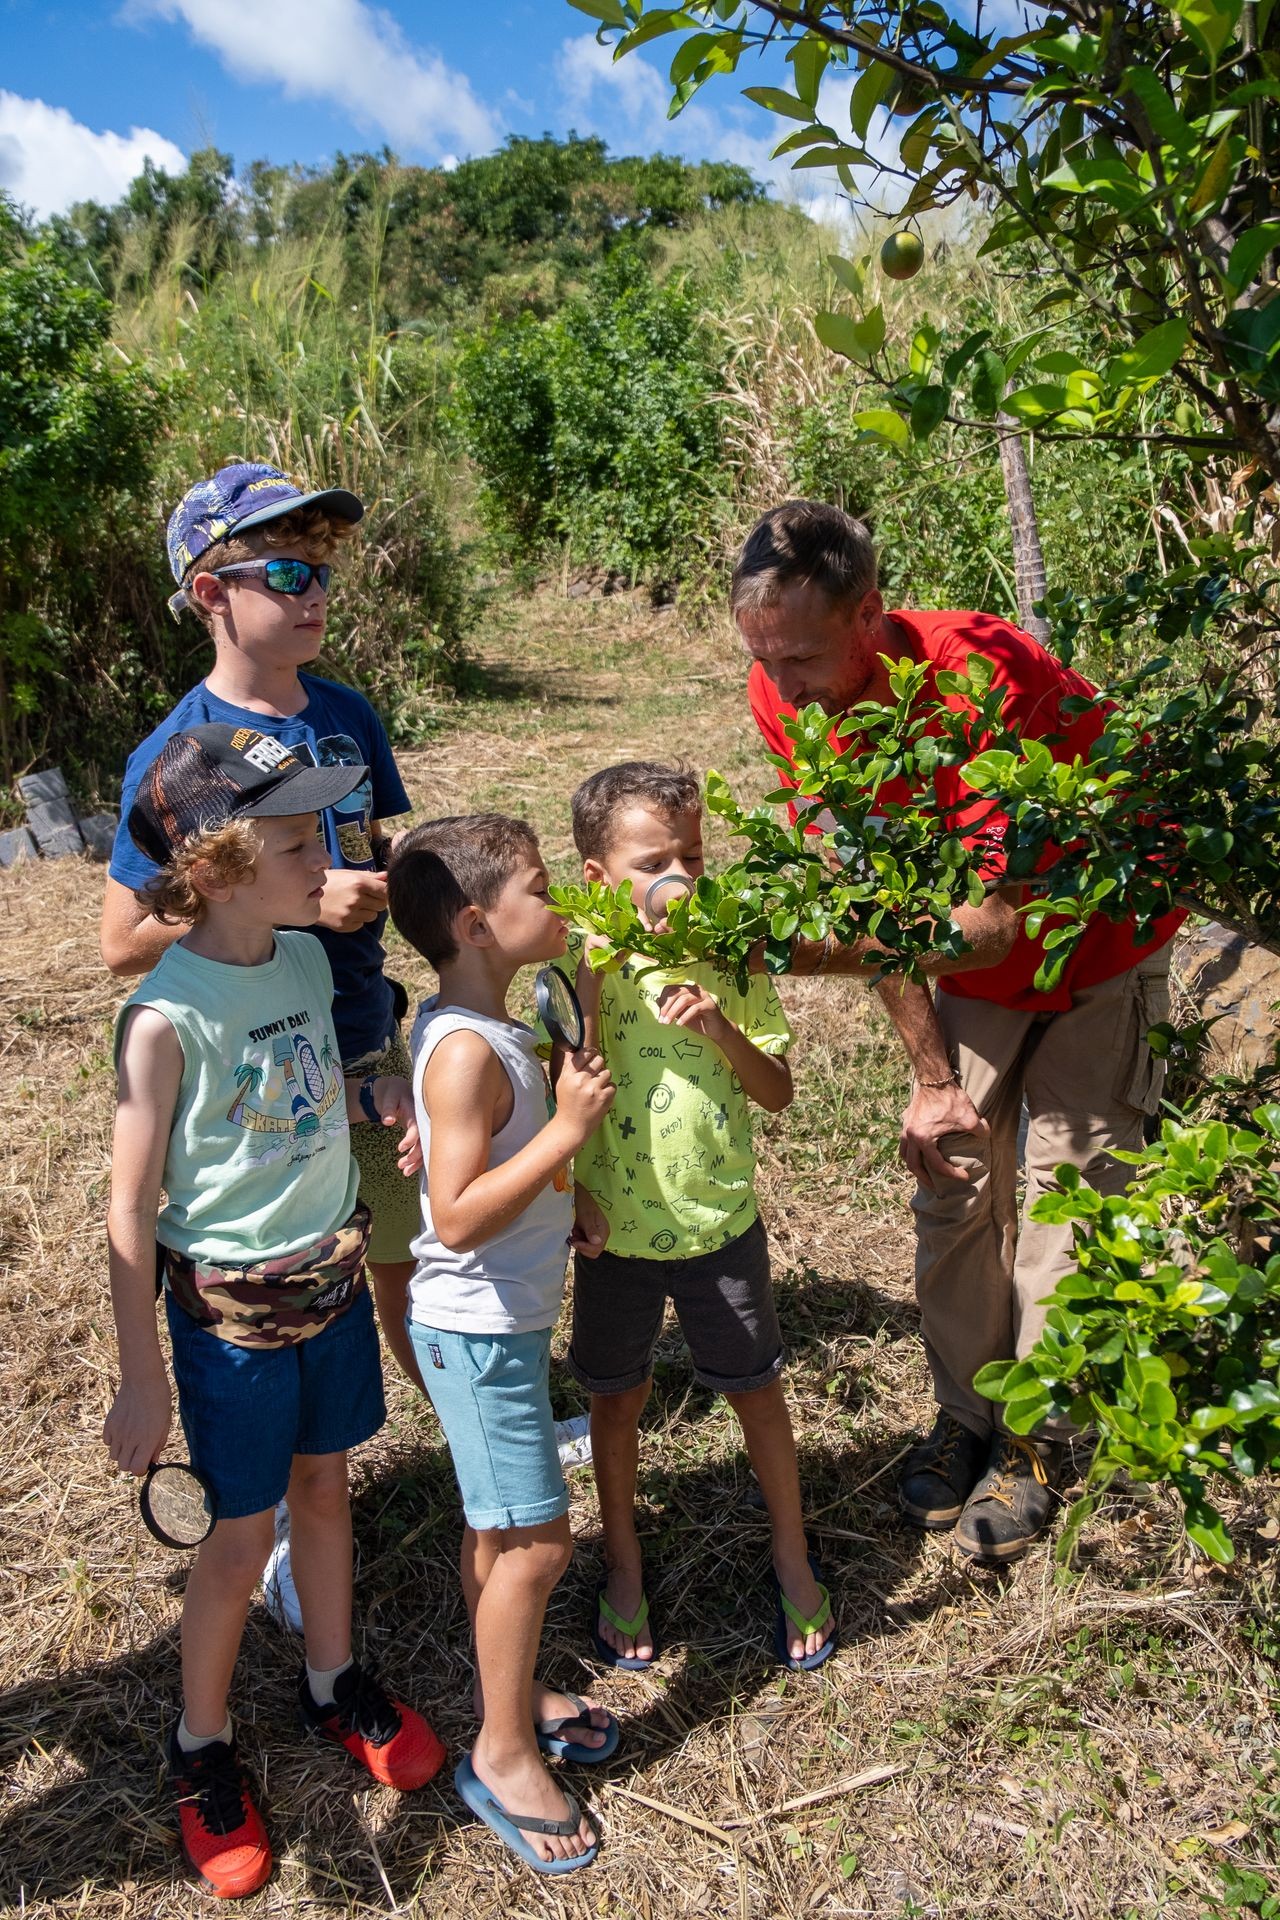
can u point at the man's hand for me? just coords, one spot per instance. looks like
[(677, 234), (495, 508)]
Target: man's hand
[(351, 899), (934, 1113), (590, 1224), (138, 1424)]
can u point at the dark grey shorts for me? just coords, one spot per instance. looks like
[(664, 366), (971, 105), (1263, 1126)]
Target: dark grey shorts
[(723, 1301)]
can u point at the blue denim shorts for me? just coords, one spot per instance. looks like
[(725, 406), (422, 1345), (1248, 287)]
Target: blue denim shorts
[(246, 1411), (490, 1394)]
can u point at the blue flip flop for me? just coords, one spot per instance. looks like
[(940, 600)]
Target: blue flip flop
[(610, 1655), (786, 1611), (512, 1827), (553, 1736)]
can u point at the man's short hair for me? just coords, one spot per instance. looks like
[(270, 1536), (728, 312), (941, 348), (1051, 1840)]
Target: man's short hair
[(634, 783), (442, 866), (802, 543)]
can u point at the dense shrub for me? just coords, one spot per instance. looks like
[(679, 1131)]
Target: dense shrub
[(600, 428), (77, 430)]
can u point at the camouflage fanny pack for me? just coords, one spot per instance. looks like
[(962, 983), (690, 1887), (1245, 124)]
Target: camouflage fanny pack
[(274, 1303)]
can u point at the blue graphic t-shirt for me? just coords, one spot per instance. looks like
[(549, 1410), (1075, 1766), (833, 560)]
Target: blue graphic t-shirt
[(337, 726)]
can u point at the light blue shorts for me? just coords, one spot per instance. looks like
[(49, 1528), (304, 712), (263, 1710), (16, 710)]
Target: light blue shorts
[(490, 1393)]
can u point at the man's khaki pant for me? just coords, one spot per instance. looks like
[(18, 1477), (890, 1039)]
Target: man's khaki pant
[(1089, 1079)]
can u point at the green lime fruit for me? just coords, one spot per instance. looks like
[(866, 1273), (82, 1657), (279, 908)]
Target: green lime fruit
[(1185, 417), (902, 255)]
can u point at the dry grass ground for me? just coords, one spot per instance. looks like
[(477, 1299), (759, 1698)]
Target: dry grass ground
[(982, 1744)]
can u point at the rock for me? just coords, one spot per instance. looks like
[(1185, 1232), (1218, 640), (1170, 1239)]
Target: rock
[(98, 831), (18, 845), (50, 814), (1225, 975)]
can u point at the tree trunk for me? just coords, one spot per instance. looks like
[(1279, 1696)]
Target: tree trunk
[(1028, 560)]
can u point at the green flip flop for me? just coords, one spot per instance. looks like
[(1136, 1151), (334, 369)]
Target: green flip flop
[(610, 1655)]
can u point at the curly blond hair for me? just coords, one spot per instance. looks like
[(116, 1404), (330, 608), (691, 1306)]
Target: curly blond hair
[(224, 855), (313, 534)]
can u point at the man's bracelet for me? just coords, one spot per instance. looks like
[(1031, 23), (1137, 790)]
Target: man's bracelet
[(952, 1080), (368, 1105)]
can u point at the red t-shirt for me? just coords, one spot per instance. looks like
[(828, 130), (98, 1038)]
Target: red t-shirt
[(1035, 684)]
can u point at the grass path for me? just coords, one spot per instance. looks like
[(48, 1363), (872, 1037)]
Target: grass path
[(983, 1744)]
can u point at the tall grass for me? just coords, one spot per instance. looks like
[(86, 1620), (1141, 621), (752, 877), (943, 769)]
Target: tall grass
[(282, 358)]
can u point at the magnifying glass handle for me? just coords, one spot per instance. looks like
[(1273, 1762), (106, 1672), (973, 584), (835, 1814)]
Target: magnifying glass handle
[(590, 1004)]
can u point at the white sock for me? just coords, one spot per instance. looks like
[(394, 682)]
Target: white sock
[(192, 1742), (321, 1682)]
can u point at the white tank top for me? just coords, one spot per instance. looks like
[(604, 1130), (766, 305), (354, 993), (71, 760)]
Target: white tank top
[(513, 1283)]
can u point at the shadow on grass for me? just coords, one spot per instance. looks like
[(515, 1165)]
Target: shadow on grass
[(89, 1741)]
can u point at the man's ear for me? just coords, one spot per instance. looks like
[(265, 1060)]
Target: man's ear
[(592, 870), (870, 612)]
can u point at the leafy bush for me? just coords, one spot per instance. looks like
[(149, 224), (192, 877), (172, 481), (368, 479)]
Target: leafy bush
[(77, 429), (599, 428), (1165, 1336)]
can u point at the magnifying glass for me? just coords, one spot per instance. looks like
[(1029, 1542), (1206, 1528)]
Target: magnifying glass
[(179, 1508), (559, 1008), (662, 894)]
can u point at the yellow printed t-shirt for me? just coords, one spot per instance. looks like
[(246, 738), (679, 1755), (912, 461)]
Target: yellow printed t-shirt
[(672, 1163)]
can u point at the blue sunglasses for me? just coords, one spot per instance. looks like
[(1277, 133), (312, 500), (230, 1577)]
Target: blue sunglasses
[(281, 576)]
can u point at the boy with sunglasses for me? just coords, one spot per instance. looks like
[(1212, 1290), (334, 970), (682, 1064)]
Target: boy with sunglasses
[(251, 556)]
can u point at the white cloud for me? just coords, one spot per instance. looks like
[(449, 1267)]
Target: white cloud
[(354, 56), (48, 160), (626, 101)]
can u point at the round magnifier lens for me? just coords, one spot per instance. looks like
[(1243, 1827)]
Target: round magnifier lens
[(177, 1506), (662, 894), (558, 1008)]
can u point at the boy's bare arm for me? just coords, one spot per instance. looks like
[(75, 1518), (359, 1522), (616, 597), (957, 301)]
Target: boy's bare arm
[(150, 1073), (765, 1077), (465, 1088), (130, 939)]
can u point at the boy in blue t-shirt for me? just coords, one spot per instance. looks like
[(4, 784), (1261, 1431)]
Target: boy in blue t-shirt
[(252, 556)]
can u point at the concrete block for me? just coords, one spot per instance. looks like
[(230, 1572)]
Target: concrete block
[(50, 815), (98, 831), (19, 844)]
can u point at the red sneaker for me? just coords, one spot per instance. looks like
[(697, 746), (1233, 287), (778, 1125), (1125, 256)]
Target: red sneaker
[(391, 1740), (219, 1828)]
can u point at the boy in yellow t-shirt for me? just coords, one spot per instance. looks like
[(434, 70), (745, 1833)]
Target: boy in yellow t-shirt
[(671, 1168)]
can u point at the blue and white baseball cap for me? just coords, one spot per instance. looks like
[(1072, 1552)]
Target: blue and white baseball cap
[(232, 500)]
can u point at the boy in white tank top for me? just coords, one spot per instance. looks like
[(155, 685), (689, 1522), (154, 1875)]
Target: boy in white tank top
[(470, 894)]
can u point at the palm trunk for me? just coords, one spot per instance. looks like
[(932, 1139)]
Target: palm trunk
[(1028, 561)]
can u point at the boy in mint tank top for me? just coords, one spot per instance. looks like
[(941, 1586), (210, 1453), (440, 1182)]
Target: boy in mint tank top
[(673, 1171), (497, 1218), (232, 1100)]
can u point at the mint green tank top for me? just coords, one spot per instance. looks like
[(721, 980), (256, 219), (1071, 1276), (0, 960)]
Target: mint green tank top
[(259, 1160)]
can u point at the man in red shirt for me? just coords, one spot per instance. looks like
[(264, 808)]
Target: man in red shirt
[(806, 603)]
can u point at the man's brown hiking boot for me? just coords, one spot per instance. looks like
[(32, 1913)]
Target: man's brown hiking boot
[(940, 1473), (1012, 1502)]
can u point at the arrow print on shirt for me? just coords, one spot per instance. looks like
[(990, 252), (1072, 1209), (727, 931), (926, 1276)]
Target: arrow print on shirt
[(685, 1049)]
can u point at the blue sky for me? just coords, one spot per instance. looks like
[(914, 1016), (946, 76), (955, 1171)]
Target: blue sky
[(86, 90)]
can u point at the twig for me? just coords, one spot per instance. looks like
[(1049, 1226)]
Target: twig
[(676, 1813), (862, 1485), (871, 1777)]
